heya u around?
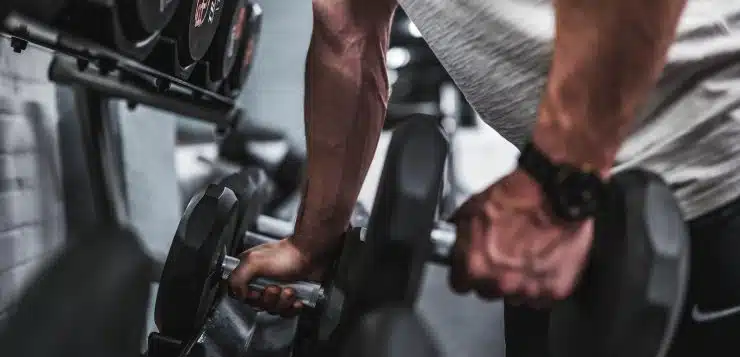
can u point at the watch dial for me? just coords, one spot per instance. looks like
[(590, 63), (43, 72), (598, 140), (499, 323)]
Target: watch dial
[(579, 193)]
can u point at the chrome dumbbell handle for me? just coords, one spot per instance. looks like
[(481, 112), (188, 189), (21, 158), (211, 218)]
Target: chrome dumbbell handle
[(309, 294), (443, 236)]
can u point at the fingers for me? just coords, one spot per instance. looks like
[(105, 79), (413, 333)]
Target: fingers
[(459, 277), (242, 275), (273, 299)]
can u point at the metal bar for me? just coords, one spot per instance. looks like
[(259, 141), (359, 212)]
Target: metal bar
[(65, 71)]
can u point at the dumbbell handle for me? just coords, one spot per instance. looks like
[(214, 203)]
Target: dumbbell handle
[(443, 236), (309, 294)]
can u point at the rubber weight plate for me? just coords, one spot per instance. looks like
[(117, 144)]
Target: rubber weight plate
[(190, 285), (223, 51), (253, 186), (385, 265), (141, 18), (629, 301), (193, 26)]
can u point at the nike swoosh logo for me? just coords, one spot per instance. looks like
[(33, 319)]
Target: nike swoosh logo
[(706, 316)]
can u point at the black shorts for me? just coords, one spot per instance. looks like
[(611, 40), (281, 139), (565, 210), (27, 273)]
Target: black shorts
[(711, 317)]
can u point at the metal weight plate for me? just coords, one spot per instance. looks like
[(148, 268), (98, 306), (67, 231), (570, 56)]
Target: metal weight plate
[(190, 285), (629, 301), (224, 50)]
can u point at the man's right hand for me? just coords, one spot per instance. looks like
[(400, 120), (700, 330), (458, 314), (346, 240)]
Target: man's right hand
[(281, 261)]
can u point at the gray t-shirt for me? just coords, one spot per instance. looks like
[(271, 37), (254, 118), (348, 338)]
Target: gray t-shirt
[(498, 52)]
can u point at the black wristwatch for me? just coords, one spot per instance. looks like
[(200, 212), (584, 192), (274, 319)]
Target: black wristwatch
[(574, 193)]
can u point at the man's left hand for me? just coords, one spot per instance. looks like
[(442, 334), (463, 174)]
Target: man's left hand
[(510, 245)]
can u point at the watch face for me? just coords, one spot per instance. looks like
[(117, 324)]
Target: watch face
[(578, 194)]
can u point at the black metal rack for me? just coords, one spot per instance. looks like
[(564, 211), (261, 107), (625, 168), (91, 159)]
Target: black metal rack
[(97, 76)]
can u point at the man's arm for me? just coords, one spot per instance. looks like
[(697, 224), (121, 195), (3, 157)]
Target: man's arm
[(608, 55), (345, 105)]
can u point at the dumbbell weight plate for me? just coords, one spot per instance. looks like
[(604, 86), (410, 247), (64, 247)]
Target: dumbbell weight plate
[(629, 301), (193, 27), (190, 285), (249, 185), (384, 266), (223, 52), (142, 18)]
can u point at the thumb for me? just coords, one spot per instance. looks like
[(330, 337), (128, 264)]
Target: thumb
[(243, 274)]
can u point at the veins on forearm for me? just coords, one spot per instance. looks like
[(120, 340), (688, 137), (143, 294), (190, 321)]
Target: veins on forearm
[(346, 100)]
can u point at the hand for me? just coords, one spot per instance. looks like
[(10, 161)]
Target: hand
[(510, 245), (282, 261)]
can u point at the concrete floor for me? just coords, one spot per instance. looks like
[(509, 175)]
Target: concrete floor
[(463, 325)]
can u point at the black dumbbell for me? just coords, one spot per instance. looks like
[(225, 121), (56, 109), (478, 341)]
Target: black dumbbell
[(630, 297), (187, 37), (131, 27), (224, 50), (628, 301), (198, 260), (194, 26)]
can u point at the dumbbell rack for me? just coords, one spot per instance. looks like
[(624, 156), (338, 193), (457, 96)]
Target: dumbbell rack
[(97, 76)]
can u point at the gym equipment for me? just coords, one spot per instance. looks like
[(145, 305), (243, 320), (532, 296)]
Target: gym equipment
[(197, 262), (193, 27), (141, 18), (131, 27), (391, 332), (222, 54), (227, 333), (249, 185), (186, 38), (89, 301), (243, 63), (365, 274), (252, 145), (629, 300)]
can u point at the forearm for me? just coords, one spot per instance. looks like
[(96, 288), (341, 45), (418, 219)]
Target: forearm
[(346, 100), (608, 55)]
